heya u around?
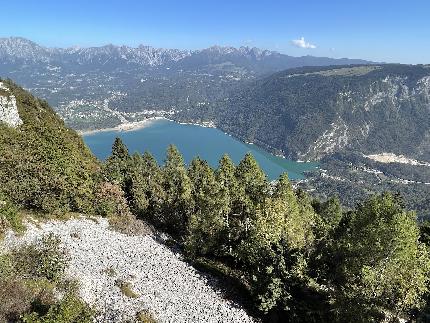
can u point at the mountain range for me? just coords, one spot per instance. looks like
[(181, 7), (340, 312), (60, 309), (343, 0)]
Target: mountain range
[(17, 50)]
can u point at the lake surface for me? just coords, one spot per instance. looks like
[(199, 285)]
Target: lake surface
[(207, 143)]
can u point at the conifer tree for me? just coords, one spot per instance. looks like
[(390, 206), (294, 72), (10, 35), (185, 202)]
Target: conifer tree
[(206, 221), (144, 183), (119, 150), (136, 185), (177, 187), (116, 166), (154, 188), (228, 195), (300, 218), (383, 270), (252, 179), (252, 190)]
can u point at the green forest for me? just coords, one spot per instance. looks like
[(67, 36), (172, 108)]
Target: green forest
[(295, 257), (291, 257)]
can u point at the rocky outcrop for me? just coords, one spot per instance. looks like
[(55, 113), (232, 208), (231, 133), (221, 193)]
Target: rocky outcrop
[(8, 108)]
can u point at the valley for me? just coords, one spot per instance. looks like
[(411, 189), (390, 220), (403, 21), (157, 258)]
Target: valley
[(263, 97), (146, 228)]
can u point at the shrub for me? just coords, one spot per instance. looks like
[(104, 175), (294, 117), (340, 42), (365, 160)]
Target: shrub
[(145, 317), (9, 217), (126, 289), (16, 299), (45, 259), (110, 200), (69, 309)]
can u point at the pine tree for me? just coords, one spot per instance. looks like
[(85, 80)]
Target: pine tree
[(252, 190), (300, 218), (382, 268), (252, 179), (144, 183), (228, 195), (177, 187), (136, 184), (116, 166), (119, 150), (206, 221), (155, 193)]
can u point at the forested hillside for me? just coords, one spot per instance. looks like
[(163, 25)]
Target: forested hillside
[(296, 258), (44, 165), (339, 115), (308, 113)]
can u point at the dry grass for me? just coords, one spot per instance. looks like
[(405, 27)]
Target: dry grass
[(110, 271), (129, 225), (126, 289), (145, 317)]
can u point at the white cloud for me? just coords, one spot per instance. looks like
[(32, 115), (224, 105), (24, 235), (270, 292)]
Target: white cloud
[(301, 43)]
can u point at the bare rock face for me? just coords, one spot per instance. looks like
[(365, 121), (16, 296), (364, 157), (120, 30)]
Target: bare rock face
[(8, 108)]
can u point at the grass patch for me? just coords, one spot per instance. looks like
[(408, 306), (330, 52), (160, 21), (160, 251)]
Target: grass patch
[(145, 317), (126, 289), (10, 218), (32, 287), (110, 271), (128, 225)]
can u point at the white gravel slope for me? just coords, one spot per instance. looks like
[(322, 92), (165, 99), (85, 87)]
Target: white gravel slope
[(167, 286)]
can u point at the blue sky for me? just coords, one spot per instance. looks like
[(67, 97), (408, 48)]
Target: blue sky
[(380, 30)]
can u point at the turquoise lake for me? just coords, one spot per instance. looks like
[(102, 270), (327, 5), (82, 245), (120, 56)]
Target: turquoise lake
[(207, 143)]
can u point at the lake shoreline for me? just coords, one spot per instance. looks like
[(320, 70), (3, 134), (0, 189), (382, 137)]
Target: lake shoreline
[(129, 126), (136, 125), (155, 135)]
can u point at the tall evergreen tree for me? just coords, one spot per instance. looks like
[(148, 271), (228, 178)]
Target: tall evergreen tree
[(155, 193), (300, 218), (383, 270), (206, 221), (136, 185), (252, 179), (144, 185), (177, 187), (119, 150), (276, 248), (252, 190), (229, 197), (116, 166)]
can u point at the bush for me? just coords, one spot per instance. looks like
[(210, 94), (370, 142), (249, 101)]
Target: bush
[(9, 217), (145, 317), (16, 299), (45, 259), (110, 200), (70, 309)]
